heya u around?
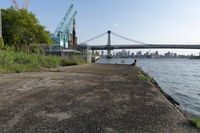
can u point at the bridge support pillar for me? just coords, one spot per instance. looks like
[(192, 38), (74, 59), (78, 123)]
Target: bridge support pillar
[(109, 45), (89, 55)]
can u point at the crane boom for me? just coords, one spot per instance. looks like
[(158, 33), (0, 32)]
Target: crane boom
[(68, 26), (60, 26), (61, 35)]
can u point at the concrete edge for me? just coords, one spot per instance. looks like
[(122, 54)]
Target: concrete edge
[(171, 100)]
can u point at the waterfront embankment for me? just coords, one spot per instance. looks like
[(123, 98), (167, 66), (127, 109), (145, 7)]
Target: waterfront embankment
[(179, 78), (87, 98)]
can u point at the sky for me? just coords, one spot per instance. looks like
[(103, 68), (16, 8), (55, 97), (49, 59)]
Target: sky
[(149, 21)]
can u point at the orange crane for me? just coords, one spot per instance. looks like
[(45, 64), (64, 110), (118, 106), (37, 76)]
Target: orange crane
[(25, 6)]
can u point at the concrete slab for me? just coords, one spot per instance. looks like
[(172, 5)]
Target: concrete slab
[(86, 99)]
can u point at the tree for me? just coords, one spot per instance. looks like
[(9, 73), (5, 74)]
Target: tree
[(21, 29), (1, 43)]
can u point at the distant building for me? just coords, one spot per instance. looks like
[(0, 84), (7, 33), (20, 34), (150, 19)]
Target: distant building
[(139, 53), (129, 53), (168, 54), (102, 53), (132, 54), (156, 53), (114, 53)]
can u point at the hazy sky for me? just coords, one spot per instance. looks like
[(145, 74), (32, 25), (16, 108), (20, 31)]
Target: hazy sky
[(150, 21)]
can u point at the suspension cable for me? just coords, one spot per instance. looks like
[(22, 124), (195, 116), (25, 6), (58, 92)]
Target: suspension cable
[(89, 40), (128, 39)]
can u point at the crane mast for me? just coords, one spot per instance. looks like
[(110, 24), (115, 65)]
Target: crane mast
[(67, 31), (25, 5)]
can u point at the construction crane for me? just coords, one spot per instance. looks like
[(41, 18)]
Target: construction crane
[(67, 30), (66, 17), (25, 5), (63, 32)]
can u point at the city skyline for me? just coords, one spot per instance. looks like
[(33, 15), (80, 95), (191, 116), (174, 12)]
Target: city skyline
[(147, 54)]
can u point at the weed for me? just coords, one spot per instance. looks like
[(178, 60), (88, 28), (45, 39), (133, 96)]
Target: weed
[(144, 78), (195, 122), (16, 62)]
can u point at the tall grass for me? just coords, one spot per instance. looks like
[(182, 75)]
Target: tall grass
[(15, 62)]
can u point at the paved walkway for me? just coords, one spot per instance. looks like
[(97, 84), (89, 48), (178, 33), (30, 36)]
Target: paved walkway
[(86, 99)]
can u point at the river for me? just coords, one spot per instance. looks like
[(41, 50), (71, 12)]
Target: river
[(180, 78)]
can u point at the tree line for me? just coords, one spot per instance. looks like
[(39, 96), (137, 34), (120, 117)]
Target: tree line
[(22, 32)]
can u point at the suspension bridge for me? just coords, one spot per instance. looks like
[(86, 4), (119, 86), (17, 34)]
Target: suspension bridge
[(135, 44)]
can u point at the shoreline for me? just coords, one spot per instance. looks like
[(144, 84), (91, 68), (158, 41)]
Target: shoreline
[(175, 103)]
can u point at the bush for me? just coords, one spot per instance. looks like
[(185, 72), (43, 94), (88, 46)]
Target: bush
[(195, 122), (1, 43), (11, 61), (144, 77), (74, 60), (67, 62)]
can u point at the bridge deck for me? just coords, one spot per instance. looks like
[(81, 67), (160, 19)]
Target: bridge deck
[(144, 46)]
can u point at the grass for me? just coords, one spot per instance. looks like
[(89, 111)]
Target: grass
[(74, 60), (144, 78), (16, 62), (195, 122)]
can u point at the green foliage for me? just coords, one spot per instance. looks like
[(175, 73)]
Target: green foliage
[(11, 61), (21, 29), (67, 62), (195, 122), (1, 43), (144, 78), (74, 60), (195, 57)]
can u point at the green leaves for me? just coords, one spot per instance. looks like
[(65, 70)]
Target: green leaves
[(11, 61), (21, 29), (1, 43), (144, 77), (195, 122)]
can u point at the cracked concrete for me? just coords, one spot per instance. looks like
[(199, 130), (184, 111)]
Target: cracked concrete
[(89, 98)]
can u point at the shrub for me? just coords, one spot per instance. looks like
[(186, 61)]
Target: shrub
[(144, 78), (11, 61), (195, 122), (67, 62), (73, 60), (1, 43)]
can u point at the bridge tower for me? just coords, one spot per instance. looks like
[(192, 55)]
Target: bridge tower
[(109, 45)]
